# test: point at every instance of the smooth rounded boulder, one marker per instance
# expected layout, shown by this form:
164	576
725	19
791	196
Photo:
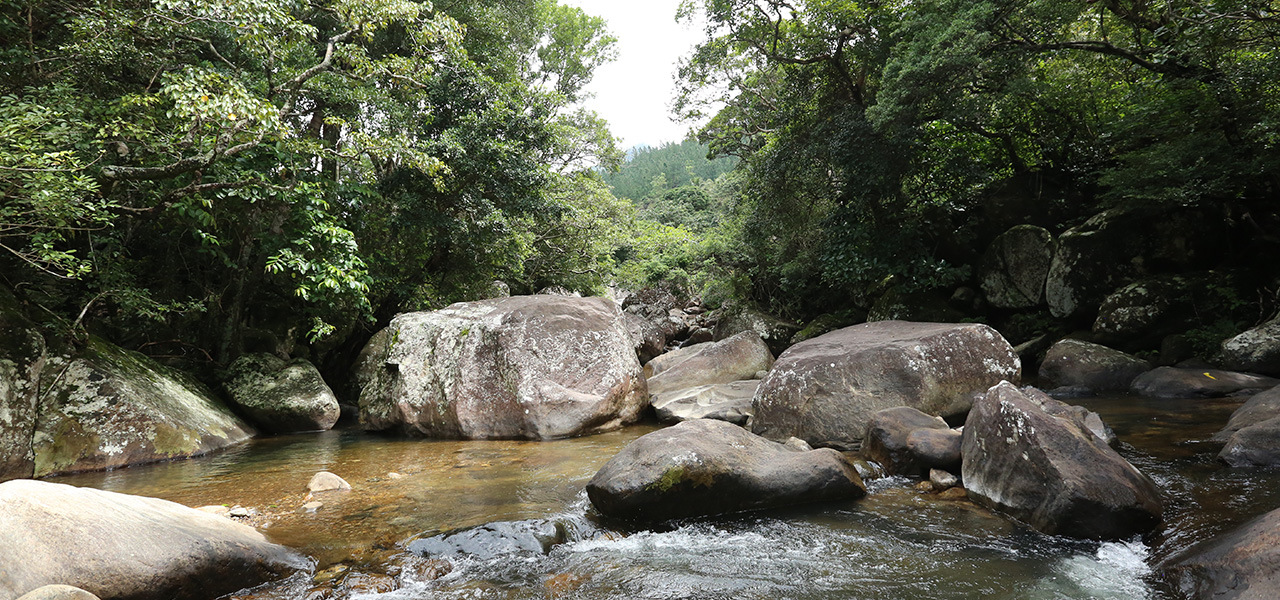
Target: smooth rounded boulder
706	467
127	547
1256	350
1174	382
1243	564
1051	471
1079	364
722	401
885	441
732	359
1261	407
524	367
281	396
107	407
824	390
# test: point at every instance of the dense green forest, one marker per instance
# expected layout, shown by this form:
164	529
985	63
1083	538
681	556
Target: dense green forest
198	179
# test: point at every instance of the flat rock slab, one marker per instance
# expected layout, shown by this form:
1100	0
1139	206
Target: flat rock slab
723	401
1241	565
1173	382
1051	471
706	467
128	547
824	390
524	367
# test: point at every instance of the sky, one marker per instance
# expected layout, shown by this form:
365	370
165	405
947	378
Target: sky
634	93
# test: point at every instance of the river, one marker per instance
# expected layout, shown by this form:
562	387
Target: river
897	543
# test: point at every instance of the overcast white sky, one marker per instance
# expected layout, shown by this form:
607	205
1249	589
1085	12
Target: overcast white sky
634	93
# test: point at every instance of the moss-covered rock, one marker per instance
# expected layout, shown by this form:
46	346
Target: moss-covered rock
22	356
106	407
281	396
1016	265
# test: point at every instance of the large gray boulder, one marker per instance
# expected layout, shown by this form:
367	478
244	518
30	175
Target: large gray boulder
1016	265
824	390
1075	363
1256	350
732	359
1257	445
281	396
721	401
22	357
125	547
1241	565
524	367
1173	382
705	467
1119	246
1051	472
106	407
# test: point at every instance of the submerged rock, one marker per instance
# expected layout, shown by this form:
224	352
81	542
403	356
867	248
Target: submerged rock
107	407
531	367
120	546
22	357
491	540
722	401
732	359
1241	565
1078	364
705	467
281	396
1052	472
824	390
1173	382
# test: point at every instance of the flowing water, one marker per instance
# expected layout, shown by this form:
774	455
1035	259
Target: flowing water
897	543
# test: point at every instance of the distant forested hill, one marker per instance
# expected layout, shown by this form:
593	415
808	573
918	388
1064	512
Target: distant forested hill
668	166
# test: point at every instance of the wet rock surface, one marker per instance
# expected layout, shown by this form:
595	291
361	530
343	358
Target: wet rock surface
706	467
824	390
130	547
1243	564
524	367
491	540
1052	472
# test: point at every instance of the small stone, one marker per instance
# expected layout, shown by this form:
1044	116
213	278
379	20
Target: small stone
240	512
394	476
955	493
419	570
924	486
942	480
325	481
797	444
312	506
215	509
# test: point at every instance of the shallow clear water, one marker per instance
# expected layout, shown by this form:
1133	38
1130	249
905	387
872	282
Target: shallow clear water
897	543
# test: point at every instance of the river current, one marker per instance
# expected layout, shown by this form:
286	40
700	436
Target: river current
896	544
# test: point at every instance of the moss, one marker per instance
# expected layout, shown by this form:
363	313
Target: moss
70	443
171	441
670	478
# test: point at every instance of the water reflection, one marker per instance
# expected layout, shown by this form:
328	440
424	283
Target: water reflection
897	543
